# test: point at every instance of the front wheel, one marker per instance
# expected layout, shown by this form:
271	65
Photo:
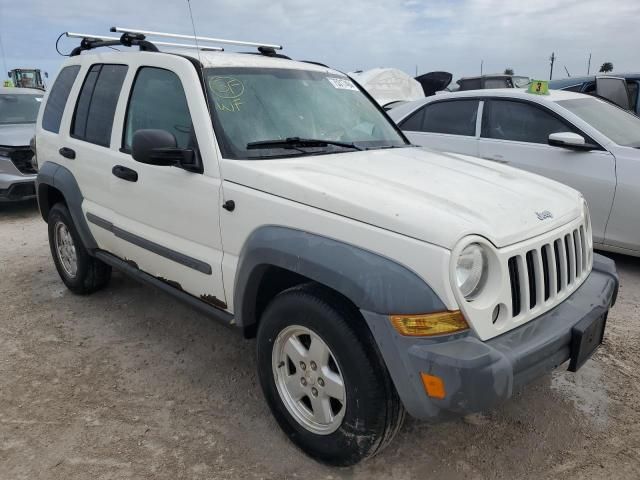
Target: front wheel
324	379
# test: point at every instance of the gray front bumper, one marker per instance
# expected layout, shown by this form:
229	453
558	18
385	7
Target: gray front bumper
15	185
478	375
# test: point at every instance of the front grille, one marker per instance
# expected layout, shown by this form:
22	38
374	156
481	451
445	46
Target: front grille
21	158
552	269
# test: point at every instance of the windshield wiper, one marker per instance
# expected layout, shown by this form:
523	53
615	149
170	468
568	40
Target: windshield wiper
297	142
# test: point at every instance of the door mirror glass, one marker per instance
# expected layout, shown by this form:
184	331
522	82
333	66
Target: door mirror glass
615	90
569	140
159	147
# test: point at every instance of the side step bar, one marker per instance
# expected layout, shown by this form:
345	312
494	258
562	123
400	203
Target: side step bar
220	315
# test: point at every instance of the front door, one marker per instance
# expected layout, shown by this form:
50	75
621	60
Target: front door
517	132
165	219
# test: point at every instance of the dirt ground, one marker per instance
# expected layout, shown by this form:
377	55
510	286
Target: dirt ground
127	383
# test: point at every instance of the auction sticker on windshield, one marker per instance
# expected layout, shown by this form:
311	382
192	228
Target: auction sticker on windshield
342	83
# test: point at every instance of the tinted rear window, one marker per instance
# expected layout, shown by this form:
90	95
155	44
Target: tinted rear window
58	98
93	119
456	117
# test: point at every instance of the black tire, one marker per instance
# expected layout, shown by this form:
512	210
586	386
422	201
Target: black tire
373	412
91	274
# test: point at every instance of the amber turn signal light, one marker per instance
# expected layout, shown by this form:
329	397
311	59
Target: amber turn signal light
439	323
434	386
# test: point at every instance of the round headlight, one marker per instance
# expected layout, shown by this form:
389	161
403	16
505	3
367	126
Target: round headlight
471	270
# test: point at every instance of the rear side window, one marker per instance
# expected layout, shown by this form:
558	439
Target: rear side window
470	84
58	98
497	83
456	117
520	122
96	106
158	101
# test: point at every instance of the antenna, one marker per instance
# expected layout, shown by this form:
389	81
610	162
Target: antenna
565	69
240	43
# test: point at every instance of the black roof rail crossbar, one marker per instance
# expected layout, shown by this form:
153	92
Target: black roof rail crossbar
156	43
127	40
264	48
267	53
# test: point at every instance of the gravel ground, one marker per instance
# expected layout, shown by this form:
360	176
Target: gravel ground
127	383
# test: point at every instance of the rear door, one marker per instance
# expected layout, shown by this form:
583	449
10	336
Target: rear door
88	144
447	125
516	132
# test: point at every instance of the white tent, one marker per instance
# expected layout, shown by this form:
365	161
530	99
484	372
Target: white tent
388	85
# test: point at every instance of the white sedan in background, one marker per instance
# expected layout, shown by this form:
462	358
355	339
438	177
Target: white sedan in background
581	141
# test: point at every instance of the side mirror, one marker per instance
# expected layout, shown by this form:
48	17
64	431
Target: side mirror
570	140
159	147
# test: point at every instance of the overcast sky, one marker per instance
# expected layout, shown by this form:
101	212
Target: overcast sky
450	35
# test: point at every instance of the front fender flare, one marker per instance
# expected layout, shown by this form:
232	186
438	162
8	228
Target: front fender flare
372	282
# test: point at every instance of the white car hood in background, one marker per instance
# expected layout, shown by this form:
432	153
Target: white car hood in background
434	197
388	85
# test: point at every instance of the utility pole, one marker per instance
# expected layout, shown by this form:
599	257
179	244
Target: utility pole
589	64
481	62
416	70
553	59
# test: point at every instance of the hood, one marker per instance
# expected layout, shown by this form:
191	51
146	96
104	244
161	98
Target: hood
433	82
17	135
433	197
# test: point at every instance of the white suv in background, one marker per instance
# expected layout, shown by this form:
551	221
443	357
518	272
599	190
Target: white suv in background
581	141
277	197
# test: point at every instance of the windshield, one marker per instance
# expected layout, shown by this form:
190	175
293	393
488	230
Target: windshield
613	122
263	105
26	79
19	108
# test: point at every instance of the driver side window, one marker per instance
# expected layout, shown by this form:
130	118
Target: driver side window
520	122
158	101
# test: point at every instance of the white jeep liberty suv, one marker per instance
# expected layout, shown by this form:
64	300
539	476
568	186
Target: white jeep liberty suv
277	197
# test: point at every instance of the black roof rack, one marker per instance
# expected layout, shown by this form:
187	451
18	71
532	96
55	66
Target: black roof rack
127	39
136	37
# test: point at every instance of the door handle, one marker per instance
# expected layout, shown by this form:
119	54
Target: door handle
125	173
67	153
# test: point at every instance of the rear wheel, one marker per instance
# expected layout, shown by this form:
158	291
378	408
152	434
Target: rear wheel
79	271
323	377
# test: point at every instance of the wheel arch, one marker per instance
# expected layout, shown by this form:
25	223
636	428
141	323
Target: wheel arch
55	183
275	258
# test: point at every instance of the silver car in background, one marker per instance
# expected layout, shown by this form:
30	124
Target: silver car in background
579	140
18	113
